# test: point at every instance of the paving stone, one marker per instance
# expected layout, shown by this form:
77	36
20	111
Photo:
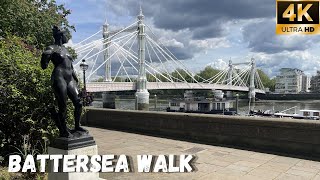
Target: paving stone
262	156
239	167
286	176
248	164
316	177
242	153
276	166
212	162
252	177
306	168
286	160
301	173
264	173
309	164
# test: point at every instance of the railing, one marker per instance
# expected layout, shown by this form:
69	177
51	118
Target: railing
128	86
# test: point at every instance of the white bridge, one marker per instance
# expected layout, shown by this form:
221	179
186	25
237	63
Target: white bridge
139	61
130	86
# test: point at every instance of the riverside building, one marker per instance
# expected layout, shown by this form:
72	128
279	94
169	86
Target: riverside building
292	81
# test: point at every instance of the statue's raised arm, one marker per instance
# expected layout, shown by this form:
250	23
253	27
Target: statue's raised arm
46	57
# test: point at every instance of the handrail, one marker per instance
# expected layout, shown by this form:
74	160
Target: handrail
294	107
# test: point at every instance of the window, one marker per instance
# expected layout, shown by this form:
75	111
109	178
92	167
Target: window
173	104
306	113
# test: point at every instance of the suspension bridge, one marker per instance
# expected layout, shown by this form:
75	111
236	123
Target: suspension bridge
136	56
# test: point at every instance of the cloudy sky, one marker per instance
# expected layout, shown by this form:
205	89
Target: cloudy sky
203	32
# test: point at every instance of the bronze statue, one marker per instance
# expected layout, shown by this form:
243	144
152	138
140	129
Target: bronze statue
64	82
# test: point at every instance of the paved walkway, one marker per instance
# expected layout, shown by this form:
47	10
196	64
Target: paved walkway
213	162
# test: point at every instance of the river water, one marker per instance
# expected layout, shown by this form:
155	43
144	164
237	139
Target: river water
162	104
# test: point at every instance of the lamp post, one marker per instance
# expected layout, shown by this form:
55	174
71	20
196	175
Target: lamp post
237	103
136	102
84	66
155	102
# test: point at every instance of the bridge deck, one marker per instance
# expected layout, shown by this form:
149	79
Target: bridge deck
213	162
129	86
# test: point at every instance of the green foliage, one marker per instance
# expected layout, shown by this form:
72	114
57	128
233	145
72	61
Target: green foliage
72	53
101	79
266	81
207	73
33	20
181	75
25	98
5	175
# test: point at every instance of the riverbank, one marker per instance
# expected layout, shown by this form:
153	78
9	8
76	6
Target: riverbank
305	96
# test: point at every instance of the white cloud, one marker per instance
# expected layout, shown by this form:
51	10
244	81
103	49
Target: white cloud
304	60
218	64
261	37
212	43
171	42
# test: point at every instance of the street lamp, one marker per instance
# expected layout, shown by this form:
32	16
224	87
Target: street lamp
237	103
84	66
155	102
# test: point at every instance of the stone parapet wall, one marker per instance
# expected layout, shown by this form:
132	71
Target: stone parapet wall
289	136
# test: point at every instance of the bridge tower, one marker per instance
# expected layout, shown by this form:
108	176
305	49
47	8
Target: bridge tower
229	81
142	94
252	93
108	98
105	34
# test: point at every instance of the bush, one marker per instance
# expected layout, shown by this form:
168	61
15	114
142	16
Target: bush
25	100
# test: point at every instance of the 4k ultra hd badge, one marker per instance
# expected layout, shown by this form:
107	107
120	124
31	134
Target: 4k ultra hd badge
297	17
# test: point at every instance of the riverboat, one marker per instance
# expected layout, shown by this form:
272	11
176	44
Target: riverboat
191	104
303	114
308	114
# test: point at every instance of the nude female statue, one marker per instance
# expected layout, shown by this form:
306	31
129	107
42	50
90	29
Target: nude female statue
64	82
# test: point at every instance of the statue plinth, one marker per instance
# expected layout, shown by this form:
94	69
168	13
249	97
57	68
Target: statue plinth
83	140
83	144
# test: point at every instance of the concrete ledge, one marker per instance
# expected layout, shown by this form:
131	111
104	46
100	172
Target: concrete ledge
288	136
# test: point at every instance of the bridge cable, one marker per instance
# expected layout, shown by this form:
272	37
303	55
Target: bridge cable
111	56
159	50
160	60
123	62
95	61
136	59
184	67
109	46
88	37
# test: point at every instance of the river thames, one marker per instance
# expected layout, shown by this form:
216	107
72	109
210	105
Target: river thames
162	104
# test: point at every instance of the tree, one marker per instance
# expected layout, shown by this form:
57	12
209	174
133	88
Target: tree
181	75
266	81
25	89
32	20
207	73
26	98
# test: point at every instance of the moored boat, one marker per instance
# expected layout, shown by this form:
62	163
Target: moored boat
191	104
308	114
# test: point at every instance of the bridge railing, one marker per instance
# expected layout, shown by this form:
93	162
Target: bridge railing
128	86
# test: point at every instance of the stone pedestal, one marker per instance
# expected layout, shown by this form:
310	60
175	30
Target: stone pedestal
229	94
83	145
142	100
108	100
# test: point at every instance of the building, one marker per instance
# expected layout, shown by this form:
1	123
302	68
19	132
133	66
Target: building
306	83
315	83
292	81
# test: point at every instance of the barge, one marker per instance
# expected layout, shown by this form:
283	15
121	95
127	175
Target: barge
191	104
